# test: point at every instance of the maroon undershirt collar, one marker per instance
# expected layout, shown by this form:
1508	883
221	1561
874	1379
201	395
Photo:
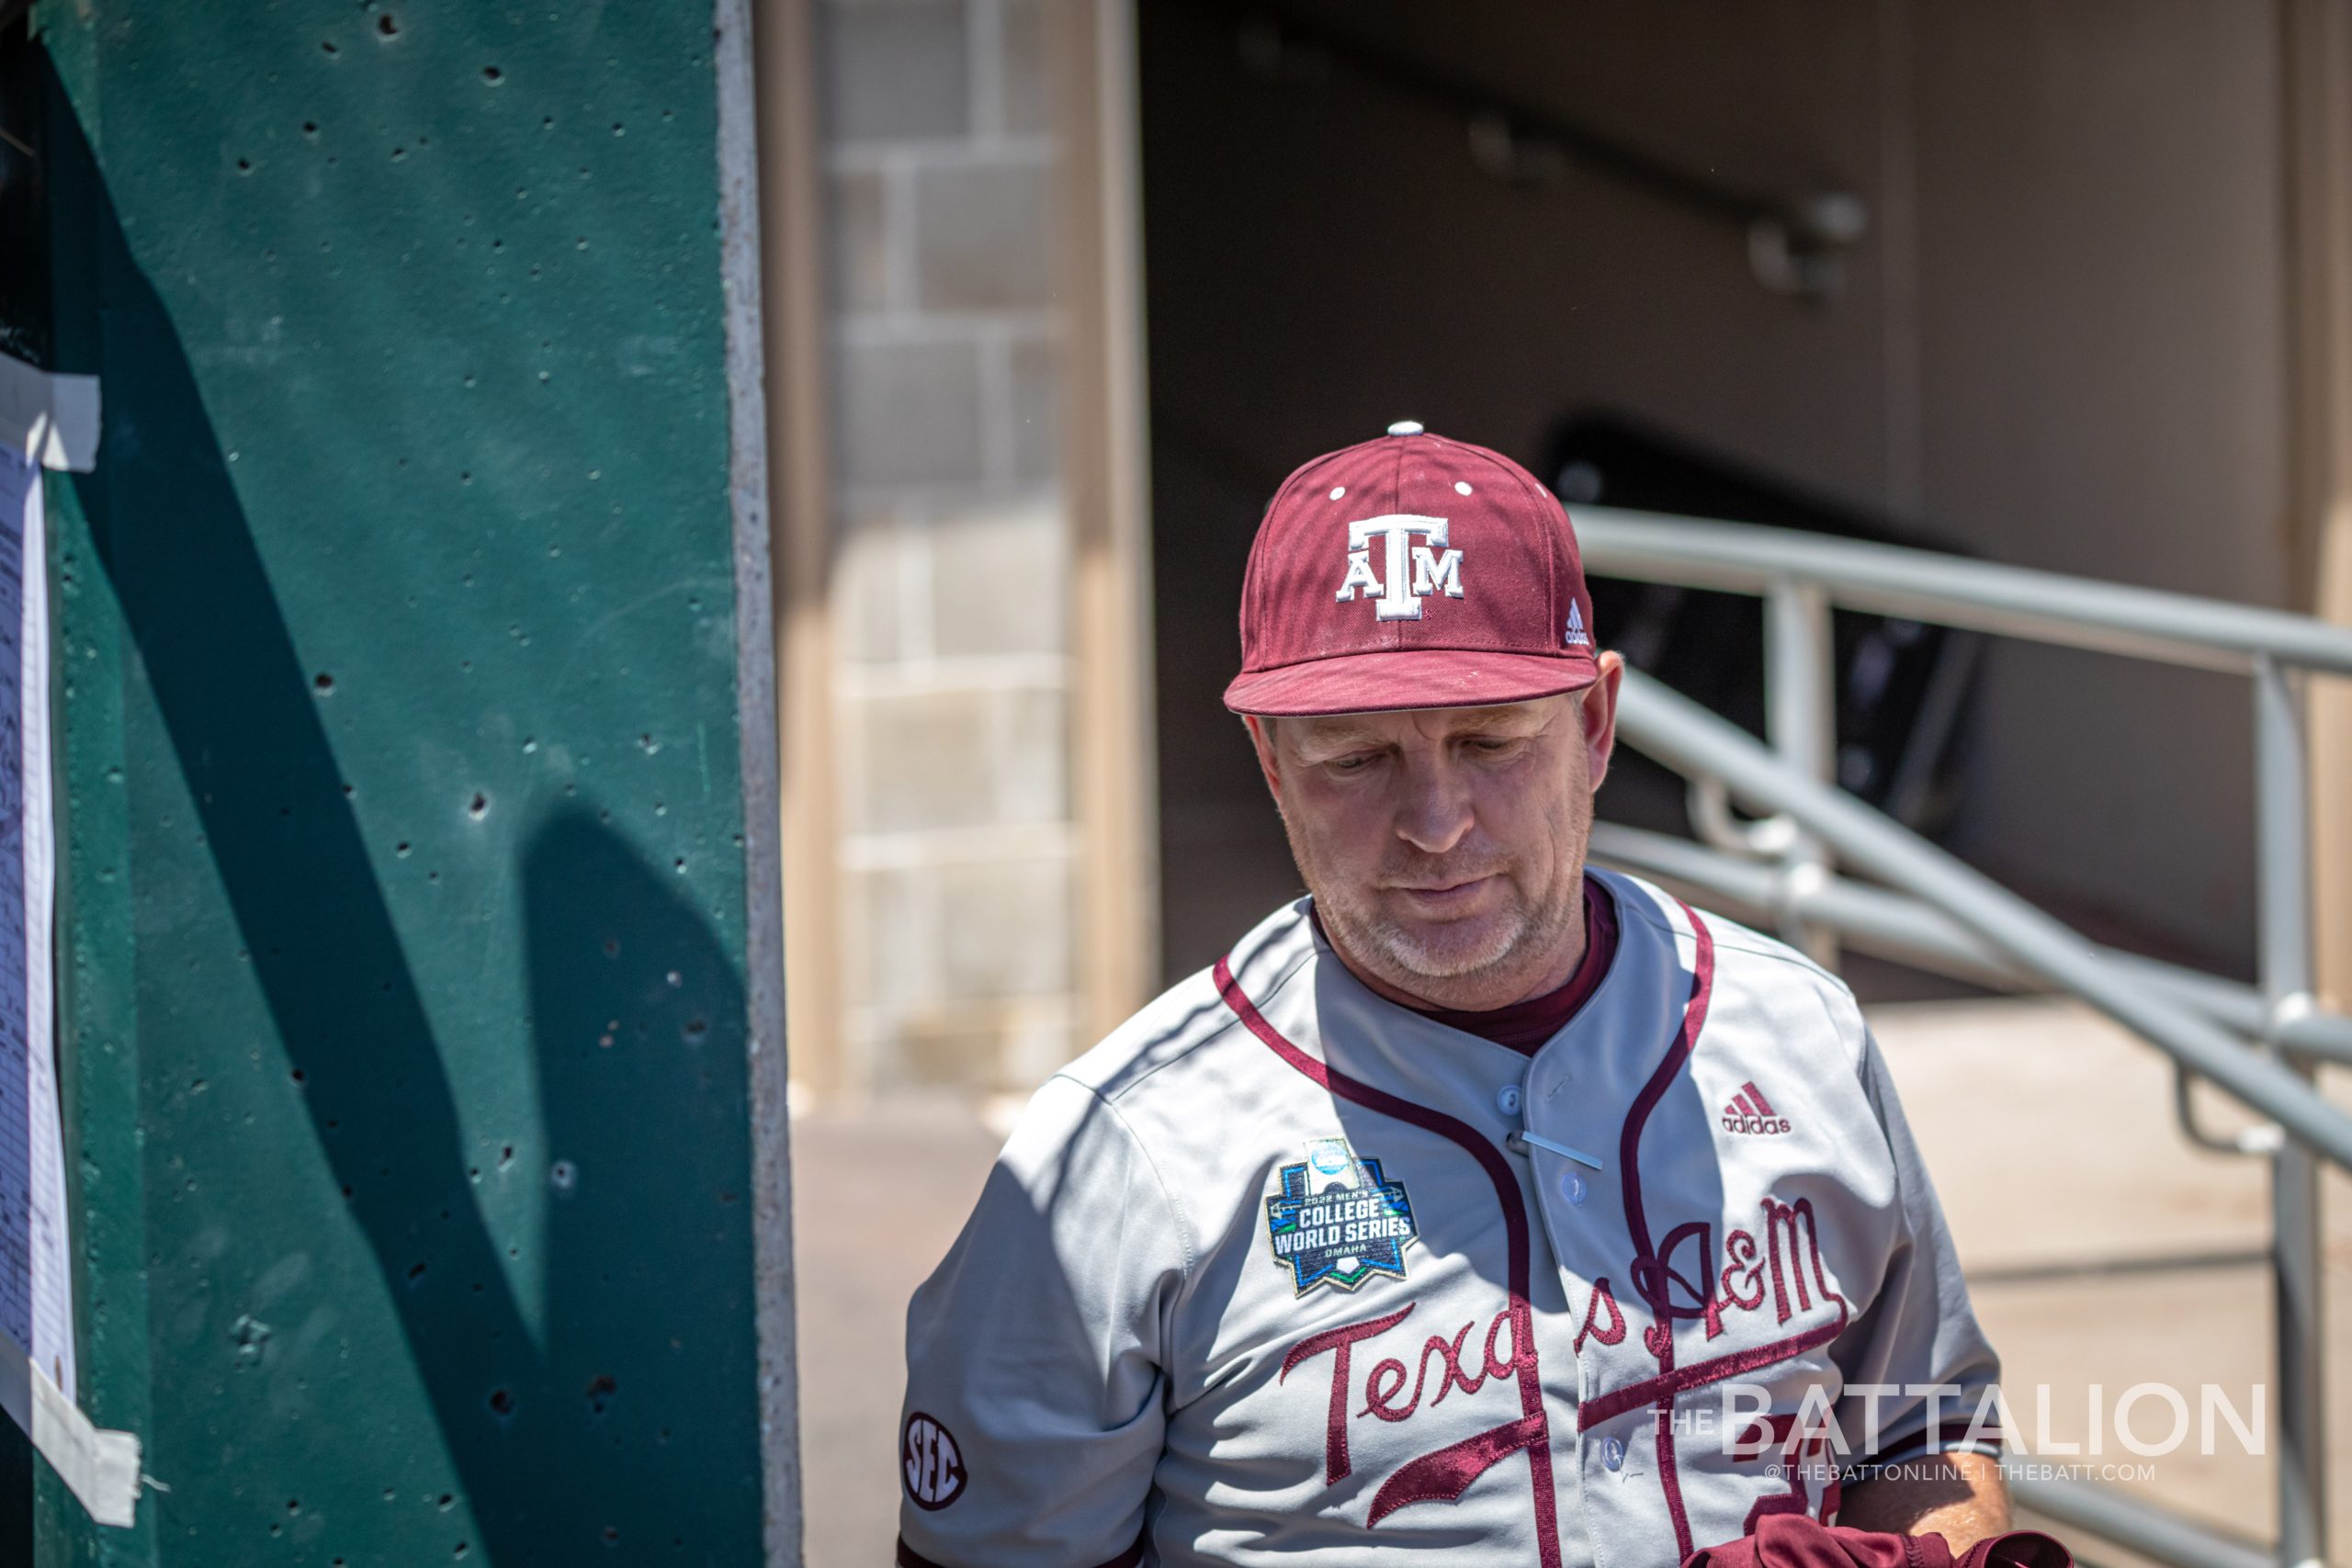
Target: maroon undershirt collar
1525	1026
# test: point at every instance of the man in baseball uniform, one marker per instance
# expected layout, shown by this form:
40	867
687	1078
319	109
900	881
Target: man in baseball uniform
1478	1202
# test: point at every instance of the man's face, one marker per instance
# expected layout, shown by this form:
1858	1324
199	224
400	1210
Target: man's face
1446	846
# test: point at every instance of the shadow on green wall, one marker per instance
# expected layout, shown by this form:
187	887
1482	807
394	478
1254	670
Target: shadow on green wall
626	1418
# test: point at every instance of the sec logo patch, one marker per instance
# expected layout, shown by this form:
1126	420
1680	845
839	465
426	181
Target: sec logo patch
930	1464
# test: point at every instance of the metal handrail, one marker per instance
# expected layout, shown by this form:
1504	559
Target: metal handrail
1910	932
1902	929
1660	721
1953	590
1960	921
2152	1532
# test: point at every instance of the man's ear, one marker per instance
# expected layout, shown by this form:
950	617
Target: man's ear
1261	736
1597	712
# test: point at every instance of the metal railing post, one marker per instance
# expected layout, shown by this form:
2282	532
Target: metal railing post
1800	718
2282	829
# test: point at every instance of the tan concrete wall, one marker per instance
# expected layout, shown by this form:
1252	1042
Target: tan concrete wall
950	569
2101	286
2061	346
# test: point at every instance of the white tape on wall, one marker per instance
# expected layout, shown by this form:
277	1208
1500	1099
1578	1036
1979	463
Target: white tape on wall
51	418
100	1468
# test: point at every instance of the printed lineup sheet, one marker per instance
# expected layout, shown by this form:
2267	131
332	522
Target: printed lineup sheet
46	421
36	1285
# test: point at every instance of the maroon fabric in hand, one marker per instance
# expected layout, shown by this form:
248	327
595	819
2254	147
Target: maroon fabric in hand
1796	1540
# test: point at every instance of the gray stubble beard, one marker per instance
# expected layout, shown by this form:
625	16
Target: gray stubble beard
1397	959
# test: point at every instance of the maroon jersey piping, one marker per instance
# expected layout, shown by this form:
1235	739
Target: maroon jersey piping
1533	1431
1649	1275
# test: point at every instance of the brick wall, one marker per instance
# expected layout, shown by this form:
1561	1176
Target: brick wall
950	589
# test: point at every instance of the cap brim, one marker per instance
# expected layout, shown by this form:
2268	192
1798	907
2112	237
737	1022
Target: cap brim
1396	680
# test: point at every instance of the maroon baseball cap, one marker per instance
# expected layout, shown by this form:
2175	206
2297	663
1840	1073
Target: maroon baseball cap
1411	572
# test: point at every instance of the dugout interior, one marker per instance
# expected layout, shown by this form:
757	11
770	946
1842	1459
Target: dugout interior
2061	339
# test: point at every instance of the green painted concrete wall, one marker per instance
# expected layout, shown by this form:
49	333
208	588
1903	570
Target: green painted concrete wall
403	916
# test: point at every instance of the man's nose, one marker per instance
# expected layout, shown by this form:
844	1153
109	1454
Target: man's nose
1434	811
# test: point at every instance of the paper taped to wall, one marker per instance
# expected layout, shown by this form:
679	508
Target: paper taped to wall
35	1261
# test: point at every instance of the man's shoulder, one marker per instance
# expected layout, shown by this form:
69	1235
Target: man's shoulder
1751	969
1167	1040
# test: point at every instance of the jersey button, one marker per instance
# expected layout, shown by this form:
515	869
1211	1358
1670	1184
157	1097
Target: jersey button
1613	1452
1507	1099
1573	1187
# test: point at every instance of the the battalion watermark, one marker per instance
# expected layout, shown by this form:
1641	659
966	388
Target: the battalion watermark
1870	1431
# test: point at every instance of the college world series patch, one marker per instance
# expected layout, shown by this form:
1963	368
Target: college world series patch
1339	1220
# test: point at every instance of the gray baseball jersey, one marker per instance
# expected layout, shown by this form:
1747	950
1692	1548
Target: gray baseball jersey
1283	1267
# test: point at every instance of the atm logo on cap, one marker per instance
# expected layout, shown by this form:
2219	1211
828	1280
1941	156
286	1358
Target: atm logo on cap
1408	571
